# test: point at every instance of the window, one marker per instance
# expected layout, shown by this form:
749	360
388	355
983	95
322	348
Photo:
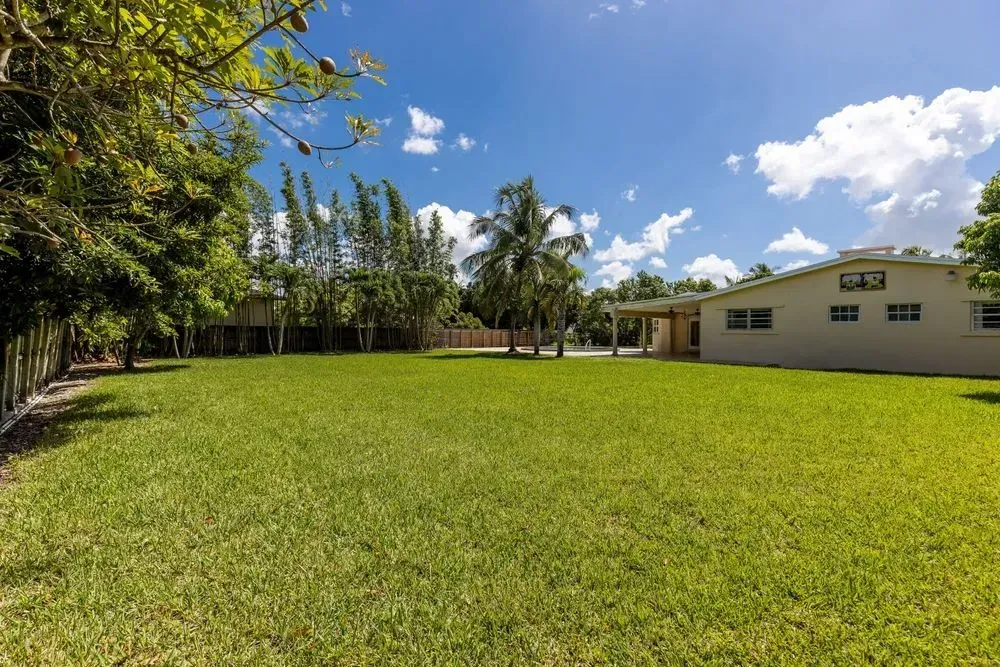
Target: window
855	282
986	316
656	325
845	313
748	318
903	312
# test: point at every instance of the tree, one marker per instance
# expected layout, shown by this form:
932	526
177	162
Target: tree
182	70
560	291
685	285
756	272
916	251
980	242
521	249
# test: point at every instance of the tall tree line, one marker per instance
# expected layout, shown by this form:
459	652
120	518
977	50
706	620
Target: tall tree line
368	265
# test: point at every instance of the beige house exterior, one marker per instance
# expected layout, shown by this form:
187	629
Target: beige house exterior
862	310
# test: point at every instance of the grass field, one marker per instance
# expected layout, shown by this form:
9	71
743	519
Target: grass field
459	508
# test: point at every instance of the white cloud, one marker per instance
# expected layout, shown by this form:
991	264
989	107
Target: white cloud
486	147
421	145
423	128
925	201
638	4
733	162
464	142
456	224
615	272
345	9
695	228
796	241
658	262
590	221
883	207
712	267
564	226
384	122
630	193
423	123
561	226
655	239
435	170
611	7
897	152
792	265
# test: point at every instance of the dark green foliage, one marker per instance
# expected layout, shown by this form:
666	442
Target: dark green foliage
595	325
980	243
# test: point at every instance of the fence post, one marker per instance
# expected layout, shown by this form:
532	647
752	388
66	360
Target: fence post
13	373
24	386
66	351
4	382
43	372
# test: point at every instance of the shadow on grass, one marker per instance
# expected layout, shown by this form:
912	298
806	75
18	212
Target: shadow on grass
872	371
55	419
91	371
988	397
520	356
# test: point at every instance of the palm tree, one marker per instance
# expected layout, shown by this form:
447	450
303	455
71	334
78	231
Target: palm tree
916	251
756	272
522	250
559	293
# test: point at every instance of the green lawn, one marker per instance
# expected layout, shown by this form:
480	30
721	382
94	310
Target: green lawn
474	509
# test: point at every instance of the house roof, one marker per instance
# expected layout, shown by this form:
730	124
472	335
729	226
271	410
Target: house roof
687	297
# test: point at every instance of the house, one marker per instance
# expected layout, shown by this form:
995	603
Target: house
866	309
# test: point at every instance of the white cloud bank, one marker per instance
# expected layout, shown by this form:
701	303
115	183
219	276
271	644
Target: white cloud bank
792	265
590	221
904	159
657	262
456	224
796	241
655	239
712	267
464	142
615	272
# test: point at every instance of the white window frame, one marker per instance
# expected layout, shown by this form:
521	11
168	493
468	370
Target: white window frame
909	313
748	314
841	313
656	325
980	305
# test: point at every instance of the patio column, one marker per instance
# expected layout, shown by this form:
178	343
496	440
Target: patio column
643	335
614	332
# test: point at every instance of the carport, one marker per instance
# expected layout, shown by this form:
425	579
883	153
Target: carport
677	314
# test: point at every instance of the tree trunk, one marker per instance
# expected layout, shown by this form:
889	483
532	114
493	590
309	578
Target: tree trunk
131	351
177	352
538	329
513	331
561	331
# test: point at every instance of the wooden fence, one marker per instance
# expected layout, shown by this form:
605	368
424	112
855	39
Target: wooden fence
30	362
484	338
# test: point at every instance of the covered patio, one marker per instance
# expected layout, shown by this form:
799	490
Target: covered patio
676	330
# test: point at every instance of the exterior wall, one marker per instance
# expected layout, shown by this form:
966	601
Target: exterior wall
660	342
802	335
676	330
254	312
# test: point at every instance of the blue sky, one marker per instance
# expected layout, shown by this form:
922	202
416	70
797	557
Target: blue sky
655	96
